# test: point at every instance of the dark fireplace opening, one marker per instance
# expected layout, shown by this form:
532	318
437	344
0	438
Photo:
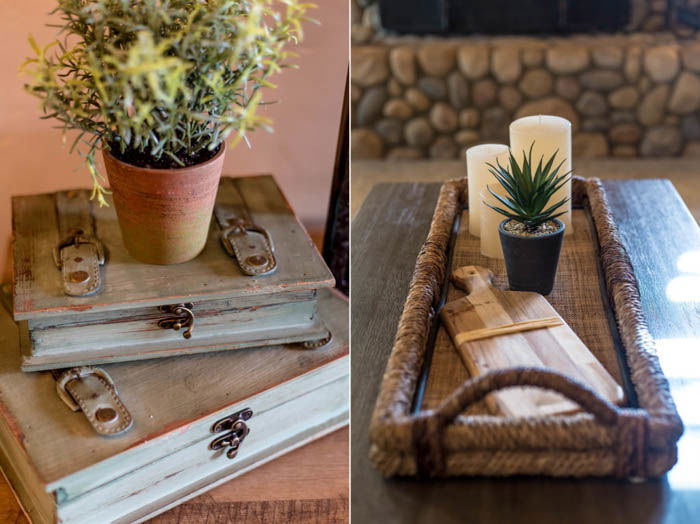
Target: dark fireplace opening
504	17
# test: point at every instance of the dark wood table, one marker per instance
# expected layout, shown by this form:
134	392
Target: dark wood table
663	241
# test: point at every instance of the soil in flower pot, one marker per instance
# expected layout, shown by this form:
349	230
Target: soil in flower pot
164	213
531	257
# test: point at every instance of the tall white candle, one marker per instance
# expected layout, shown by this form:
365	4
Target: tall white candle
549	134
478	176
490	220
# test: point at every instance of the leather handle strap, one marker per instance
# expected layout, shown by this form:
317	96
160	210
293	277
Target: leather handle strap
429	426
92	391
79	255
87	389
249	243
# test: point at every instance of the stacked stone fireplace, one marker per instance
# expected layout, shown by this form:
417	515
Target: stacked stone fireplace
635	93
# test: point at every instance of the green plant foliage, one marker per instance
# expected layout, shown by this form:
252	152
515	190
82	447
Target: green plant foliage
528	191
165	78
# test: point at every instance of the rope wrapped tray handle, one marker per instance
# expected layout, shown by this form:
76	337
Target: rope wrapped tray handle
429	426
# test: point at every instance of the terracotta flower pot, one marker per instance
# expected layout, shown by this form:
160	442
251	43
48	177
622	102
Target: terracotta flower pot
164	214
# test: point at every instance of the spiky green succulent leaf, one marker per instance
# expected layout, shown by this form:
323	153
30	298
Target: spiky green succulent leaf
529	188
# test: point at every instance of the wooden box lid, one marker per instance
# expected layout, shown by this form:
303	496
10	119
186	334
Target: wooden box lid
38	290
174	403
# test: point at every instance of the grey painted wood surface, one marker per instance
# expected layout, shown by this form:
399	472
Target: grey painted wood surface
121	322
219	325
387	234
128	284
174	402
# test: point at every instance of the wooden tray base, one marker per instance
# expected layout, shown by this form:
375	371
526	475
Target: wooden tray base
576	296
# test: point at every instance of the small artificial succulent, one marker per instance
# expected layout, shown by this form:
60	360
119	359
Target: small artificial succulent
529	189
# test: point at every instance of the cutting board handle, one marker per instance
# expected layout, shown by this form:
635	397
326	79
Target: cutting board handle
472	279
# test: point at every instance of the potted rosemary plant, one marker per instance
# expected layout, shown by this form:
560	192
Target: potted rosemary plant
158	86
531	235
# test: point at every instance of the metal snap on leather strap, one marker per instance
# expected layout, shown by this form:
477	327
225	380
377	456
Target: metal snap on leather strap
251	245
242	238
79	254
92	391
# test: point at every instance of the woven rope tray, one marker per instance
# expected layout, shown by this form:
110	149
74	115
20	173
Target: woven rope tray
430	419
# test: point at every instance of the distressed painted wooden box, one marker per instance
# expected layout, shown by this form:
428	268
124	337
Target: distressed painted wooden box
62	471
66	245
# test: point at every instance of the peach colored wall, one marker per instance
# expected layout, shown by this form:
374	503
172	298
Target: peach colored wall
300	152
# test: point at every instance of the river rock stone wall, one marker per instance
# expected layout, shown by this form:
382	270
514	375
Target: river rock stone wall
627	95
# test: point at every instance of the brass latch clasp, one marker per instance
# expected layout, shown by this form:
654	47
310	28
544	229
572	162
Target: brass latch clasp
236	430
184	318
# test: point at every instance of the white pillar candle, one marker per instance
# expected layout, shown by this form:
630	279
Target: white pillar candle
490	220
478	176
549	134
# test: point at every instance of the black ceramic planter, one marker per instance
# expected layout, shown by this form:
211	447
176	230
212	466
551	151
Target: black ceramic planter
531	262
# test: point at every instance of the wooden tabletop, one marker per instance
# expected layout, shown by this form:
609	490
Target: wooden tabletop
664	244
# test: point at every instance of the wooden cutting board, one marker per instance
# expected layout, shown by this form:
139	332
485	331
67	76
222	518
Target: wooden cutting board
495	329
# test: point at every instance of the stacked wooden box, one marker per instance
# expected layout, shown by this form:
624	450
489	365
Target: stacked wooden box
187	422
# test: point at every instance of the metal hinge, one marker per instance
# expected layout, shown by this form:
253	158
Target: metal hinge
236	431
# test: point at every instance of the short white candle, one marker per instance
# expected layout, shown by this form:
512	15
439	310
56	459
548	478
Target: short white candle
478	176
549	134
490	220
